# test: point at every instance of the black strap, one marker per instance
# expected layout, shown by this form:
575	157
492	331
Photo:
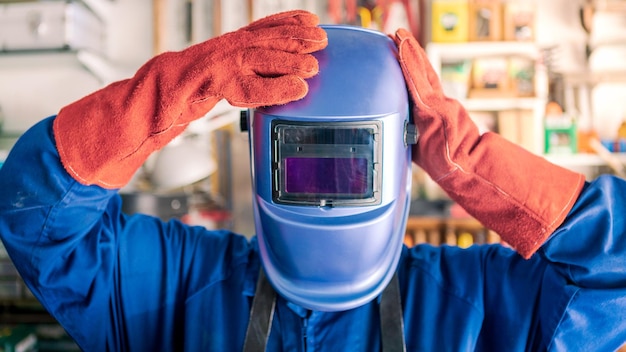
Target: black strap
391	323
261	316
264	304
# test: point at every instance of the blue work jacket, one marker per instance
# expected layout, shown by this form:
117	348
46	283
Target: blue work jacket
117	282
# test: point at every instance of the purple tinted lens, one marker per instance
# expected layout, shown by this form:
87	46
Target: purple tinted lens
326	175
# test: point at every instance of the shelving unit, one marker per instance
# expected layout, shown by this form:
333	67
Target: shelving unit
442	53
602	20
424	229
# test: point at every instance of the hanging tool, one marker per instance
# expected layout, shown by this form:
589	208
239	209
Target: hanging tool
370	14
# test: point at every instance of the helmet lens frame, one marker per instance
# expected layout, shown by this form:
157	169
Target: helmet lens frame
326	164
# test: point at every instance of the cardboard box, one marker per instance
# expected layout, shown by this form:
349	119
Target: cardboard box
450	21
485	20
490	78
519	20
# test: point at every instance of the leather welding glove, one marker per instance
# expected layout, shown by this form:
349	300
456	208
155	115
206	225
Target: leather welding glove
105	137
510	190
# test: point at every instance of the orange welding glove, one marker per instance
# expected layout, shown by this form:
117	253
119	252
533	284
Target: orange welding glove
510	190
105	137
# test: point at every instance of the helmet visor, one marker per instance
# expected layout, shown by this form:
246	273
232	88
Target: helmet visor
326	164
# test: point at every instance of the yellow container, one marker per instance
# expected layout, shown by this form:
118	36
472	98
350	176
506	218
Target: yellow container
450	21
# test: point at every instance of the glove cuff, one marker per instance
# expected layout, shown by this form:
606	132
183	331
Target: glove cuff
520	195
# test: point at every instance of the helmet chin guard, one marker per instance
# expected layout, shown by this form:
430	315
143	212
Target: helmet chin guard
331	176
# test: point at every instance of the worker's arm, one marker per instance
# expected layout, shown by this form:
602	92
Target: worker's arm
532	203
520	195
578	229
60	236
99	272
113	281
105	137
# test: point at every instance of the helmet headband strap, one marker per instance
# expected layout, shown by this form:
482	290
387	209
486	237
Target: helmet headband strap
264	305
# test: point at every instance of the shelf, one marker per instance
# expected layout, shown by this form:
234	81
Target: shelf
582	159
94	63
437	230
498	104
595	78
449	52
441	53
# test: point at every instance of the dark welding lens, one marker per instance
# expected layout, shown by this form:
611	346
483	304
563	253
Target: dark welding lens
329	164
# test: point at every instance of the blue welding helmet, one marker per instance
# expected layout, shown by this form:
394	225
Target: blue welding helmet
331	176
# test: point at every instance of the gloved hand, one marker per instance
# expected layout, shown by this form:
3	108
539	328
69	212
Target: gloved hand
105	137
510	190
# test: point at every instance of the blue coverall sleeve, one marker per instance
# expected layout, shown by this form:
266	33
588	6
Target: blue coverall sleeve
570	296
589	248
572	293
102	274
589	252
47	222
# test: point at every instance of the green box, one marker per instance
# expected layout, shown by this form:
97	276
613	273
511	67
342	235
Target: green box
21	338
560	136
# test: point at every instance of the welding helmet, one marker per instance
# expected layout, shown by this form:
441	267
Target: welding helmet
331	176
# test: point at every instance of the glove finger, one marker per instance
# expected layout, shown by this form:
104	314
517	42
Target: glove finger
295	39
255	91
415	62
295	17
273	63
410	60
